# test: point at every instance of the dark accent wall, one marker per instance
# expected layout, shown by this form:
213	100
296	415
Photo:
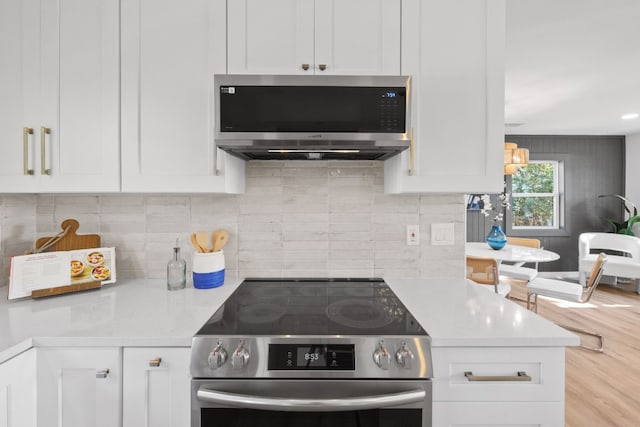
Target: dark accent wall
593	165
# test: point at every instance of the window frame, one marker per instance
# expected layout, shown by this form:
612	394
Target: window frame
554	195
560	229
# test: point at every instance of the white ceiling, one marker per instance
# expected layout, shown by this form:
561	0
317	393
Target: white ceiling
572	67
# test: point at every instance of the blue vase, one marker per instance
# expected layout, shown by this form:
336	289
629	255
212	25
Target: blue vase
496	238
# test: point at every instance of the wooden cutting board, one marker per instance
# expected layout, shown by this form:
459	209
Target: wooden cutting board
71	240
68	242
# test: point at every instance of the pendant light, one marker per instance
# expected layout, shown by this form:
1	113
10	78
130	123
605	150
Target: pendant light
514	157
510	169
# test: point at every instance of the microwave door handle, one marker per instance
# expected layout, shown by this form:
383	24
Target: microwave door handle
306	405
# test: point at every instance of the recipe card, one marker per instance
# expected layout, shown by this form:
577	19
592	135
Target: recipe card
61	268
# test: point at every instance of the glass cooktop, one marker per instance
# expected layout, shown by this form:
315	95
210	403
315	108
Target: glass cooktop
312	307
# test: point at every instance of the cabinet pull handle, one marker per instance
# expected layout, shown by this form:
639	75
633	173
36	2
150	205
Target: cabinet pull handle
154	363
216	156
305	67
102	373
521	376
322	67
43	150
25	150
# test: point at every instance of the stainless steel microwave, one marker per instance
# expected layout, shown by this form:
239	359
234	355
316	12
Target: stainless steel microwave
259	117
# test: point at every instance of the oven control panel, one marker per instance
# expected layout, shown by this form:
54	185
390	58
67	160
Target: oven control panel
311	357
318	357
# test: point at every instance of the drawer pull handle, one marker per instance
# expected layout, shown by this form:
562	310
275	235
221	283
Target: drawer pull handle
103	373
521	376
154	363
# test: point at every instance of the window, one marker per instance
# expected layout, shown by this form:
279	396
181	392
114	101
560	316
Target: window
536	191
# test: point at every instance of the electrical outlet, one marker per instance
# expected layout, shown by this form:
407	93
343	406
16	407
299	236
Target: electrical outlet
413	235
442	233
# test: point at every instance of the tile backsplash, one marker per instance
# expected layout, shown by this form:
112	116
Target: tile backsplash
306	219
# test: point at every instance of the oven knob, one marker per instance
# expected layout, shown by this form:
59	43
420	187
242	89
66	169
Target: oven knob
381	356
404	357
218	356
240	356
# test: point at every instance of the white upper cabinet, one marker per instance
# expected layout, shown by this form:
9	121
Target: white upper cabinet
454	51
59	80
270	36
19	82
341	37
357	37
170	51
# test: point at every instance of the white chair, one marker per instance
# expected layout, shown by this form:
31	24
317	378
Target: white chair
517	271
484	271
625	265
568	291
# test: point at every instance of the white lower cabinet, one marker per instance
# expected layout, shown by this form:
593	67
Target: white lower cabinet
101	387
450	414
79	387
482	386
18	391
156	387
150	387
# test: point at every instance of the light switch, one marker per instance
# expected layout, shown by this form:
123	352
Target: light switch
442	233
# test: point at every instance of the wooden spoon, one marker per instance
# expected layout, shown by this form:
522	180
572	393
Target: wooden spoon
194	242
214	237
219	238
202	237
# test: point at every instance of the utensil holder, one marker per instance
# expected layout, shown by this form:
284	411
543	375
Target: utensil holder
208	269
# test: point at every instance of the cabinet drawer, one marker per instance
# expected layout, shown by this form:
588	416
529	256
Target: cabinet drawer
447	414
544	366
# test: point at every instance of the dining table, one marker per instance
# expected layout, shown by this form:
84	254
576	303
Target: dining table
510	253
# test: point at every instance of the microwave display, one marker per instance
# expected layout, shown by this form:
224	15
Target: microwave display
322	109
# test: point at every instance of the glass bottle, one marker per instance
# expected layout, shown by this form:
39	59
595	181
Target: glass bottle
176	270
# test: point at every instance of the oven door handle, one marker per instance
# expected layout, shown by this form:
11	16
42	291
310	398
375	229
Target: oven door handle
306	405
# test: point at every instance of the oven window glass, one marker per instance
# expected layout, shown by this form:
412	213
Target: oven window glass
211	417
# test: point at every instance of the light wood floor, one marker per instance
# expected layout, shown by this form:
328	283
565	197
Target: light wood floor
602	389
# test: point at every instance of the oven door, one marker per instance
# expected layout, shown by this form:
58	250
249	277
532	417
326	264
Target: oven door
310	403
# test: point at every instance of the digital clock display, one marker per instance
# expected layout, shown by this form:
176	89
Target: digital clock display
330	357
312	356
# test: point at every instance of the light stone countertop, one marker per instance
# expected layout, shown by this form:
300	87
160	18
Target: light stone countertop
139	313
459	314
142	313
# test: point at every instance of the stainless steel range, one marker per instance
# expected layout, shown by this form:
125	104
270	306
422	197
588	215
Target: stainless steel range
311	352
